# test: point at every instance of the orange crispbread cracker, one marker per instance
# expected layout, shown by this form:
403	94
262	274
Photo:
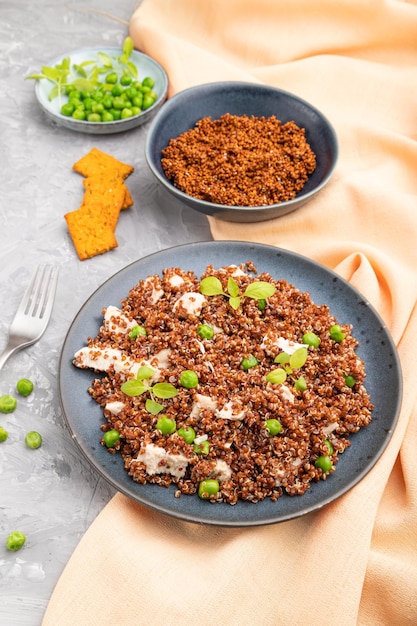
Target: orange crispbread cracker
101	183
96	162
104	200
92	225
89	234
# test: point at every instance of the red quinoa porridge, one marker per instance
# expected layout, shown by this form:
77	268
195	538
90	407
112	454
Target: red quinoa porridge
267	407
240	160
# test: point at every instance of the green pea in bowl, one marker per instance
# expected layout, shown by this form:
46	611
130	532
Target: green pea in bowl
147	76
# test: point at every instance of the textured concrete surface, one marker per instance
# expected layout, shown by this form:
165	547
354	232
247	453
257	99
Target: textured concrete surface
52	494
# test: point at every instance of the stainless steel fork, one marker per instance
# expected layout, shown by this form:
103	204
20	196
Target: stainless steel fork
34	311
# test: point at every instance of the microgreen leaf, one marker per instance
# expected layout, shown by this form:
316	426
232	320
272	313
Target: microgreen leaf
134	387
132	69
234	302
164	390
211	286
105	59
232	287
83	84
282	358
153	407
52	73
36	76
53	93
298	358
259	289
128	46
145	372
277	376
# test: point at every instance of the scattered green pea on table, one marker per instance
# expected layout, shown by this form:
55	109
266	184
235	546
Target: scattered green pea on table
33	440
15	540
7	403
24	386
3	434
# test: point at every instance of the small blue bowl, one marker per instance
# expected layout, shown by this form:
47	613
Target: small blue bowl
181	112
145	65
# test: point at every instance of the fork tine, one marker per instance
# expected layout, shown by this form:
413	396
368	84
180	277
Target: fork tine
38	298
49	294
27	299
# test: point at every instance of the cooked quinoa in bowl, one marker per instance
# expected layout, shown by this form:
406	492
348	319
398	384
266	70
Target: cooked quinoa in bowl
241	152
231	385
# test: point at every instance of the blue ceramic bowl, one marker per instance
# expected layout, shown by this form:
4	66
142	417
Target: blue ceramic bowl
182	111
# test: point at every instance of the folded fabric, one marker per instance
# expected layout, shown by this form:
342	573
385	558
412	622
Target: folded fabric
354	561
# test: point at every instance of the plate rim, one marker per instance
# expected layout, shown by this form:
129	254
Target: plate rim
304	510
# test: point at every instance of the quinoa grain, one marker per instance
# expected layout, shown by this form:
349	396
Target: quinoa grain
240	160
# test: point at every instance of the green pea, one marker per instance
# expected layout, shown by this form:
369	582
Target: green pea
311	339
273	426
261	304
187	433
208	488
107	102
137	101
112	78
202	448
350	381
88	104
78	114
166	425
137	331
69	88
24	386
131	92
116	114
119	103
106	116
94	117
125	79
97	107
110	437
3	434
126	113
205	331
15	540
148	81
97	95
336	333
188	379
324	462
136	110
248	362
148	100
33	440
117	90
7	403
67	109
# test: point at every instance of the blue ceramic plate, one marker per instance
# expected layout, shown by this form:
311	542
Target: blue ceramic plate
182	111
376	348
146	66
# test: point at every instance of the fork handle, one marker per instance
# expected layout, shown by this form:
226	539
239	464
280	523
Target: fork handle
7	352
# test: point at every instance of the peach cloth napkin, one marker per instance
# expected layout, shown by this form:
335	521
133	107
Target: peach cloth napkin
355	561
